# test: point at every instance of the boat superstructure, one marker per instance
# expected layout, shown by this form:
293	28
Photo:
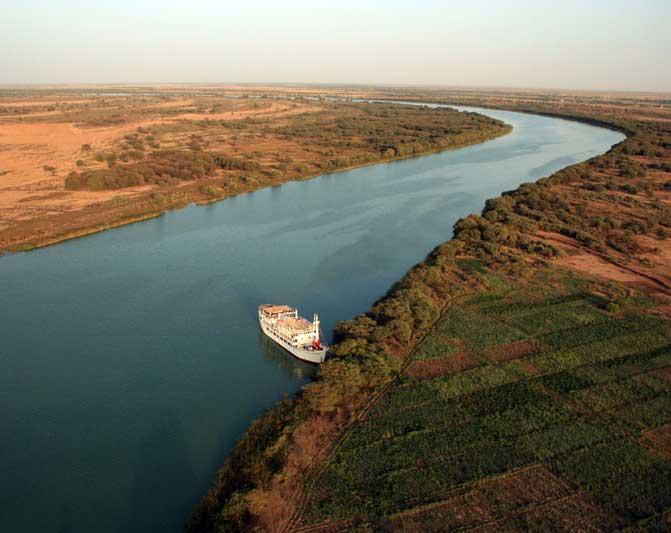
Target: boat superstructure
300	337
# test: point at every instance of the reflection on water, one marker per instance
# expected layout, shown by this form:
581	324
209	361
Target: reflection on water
284	360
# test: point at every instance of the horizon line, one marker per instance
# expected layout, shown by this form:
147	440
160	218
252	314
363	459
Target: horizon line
434	86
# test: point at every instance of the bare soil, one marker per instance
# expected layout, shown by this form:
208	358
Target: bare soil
441	366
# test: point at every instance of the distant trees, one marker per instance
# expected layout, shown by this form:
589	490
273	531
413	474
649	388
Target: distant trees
392	131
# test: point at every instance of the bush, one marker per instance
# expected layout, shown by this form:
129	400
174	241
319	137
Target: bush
159	168
613	307
212	191
629	188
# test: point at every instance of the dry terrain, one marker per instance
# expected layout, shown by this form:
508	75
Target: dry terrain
39	148
81	159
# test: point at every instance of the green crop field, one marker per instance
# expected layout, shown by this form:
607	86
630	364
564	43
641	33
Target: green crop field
545	426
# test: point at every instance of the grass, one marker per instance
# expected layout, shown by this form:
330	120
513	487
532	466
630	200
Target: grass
434	347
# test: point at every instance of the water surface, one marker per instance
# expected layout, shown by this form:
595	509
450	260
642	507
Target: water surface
131	360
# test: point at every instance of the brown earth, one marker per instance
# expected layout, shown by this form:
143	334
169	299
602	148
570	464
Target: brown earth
655	279
441	366
533	491
659	440
27	189
513	350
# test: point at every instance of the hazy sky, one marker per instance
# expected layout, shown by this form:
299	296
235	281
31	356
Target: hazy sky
598	44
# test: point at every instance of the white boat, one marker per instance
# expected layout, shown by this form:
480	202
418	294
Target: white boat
298	336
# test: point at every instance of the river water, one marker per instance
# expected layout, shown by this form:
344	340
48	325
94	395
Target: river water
131	360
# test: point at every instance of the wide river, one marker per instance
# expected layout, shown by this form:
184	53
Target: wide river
131	360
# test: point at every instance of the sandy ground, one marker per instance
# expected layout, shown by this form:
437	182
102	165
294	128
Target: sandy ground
275	110
38	102
27	190
659	254
594	265
580	259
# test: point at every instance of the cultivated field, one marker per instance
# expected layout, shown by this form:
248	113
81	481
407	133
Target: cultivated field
570	425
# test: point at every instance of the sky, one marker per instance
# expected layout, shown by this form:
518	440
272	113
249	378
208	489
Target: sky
597	44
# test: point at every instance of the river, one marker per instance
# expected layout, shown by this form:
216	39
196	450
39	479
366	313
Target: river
131	360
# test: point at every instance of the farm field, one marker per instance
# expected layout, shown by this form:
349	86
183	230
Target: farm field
561	416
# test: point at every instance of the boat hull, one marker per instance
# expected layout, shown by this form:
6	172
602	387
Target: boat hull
309	356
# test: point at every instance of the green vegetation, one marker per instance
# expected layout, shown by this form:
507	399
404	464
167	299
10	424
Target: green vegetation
390	131
256	458
212	191
560	407
567	205
577	405
160	168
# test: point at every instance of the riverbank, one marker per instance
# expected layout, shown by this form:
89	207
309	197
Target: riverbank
612	210
165	156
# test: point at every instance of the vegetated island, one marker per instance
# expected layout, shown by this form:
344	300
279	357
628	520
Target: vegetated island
73	163
519	377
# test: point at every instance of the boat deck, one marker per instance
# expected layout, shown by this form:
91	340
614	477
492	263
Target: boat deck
296	325
272	310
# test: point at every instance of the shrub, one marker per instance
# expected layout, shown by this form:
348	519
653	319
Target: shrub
212	191
629	188
159	168
613	307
